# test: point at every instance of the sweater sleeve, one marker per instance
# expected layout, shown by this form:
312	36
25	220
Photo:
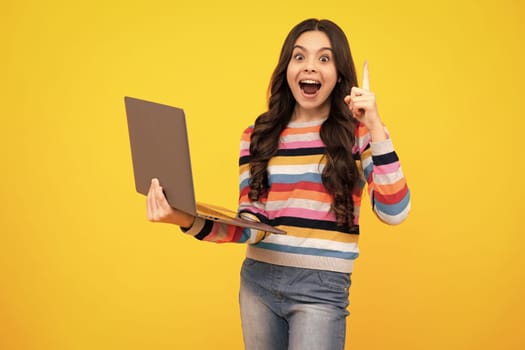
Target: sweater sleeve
212	231
387	186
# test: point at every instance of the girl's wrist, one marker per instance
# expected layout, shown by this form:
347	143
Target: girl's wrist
377	131
188	220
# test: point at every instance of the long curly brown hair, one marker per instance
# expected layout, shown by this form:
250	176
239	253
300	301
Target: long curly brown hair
340	173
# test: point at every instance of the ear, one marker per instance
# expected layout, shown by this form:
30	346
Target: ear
339	79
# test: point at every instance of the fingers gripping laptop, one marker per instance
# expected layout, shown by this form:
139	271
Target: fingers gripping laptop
160	149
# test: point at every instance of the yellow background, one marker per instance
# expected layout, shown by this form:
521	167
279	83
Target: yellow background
82	268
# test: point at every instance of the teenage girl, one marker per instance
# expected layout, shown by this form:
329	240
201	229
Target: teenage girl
304	165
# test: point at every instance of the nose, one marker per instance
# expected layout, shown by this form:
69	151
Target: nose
310	66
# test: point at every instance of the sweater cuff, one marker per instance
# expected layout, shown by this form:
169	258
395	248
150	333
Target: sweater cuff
198	225
382	147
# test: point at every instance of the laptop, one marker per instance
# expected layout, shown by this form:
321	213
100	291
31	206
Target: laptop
160	149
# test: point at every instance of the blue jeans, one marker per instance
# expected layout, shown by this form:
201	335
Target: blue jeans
292	308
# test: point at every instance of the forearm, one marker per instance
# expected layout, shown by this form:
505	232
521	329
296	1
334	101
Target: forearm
212	231
386	183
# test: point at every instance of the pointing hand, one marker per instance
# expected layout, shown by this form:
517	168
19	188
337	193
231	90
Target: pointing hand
362	103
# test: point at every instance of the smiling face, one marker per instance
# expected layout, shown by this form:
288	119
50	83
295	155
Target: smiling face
312	75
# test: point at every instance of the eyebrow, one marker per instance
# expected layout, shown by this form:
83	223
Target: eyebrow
304	48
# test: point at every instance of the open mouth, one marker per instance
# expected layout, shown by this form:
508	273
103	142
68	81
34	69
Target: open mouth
310	87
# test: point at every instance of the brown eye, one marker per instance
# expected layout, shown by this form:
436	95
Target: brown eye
324	59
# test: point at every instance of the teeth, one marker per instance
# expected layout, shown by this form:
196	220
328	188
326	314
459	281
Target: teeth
309	82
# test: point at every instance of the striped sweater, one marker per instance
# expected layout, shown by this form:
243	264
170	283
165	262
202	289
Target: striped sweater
298	203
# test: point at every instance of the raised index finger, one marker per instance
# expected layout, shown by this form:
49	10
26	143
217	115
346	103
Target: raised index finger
366	82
